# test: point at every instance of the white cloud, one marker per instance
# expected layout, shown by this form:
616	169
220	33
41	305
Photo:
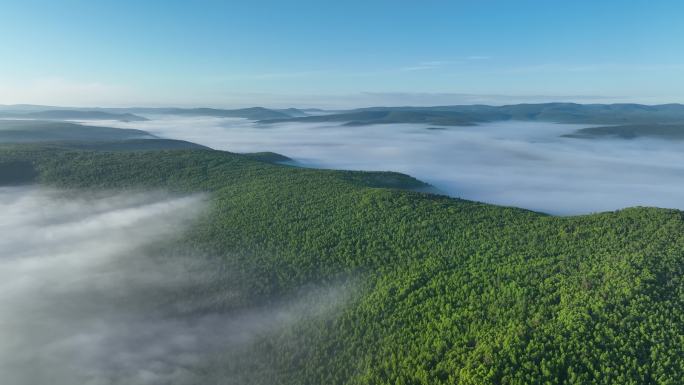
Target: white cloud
425	65
267	76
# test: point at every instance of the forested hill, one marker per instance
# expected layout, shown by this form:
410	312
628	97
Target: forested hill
70	115
449	291
473	114
22	131
632	131
67	135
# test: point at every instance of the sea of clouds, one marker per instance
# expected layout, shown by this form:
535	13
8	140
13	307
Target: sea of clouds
87	298
523	164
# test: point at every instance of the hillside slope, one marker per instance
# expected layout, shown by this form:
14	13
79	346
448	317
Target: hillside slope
472	114
22	131
632	131
71	115
448	291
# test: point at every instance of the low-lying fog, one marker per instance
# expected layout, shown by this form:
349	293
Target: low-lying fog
521	164
86	300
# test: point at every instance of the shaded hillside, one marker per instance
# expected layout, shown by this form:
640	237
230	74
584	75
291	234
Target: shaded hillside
357	118
18	131
73	136
294	112
253	113
133	145
72	115
129	114
269	157
660	131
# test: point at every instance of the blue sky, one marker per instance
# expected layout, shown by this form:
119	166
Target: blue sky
328	54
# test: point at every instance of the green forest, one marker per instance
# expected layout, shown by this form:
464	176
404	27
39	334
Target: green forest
445	291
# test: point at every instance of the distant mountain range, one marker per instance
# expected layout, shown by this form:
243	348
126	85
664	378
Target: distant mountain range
27	111
70	115
437	115
473	114
253	113
635	120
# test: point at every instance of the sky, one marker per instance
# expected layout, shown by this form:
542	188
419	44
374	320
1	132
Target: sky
339	54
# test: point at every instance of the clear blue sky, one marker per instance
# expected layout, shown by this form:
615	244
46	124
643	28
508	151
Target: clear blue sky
328	53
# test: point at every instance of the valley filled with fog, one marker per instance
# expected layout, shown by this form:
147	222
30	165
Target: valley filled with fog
515	163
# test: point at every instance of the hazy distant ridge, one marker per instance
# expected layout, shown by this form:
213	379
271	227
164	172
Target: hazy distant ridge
70	115
473	114
457	115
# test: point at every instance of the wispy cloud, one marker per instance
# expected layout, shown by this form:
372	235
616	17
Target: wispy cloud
425	65
435	64
269	75
593	67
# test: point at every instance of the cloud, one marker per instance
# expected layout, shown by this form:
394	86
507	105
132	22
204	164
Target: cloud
523	164
269	75
434	64
426	65
86	299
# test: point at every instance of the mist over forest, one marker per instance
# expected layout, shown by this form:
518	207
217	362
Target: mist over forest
91	294
534	165
358	192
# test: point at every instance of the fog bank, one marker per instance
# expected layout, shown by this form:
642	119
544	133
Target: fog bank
523	164
87	298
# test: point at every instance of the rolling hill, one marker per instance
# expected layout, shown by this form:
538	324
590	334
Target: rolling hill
95	138
357	118
253	113
473	114
604	114
130	114
446	291
71	115
18	131
632	131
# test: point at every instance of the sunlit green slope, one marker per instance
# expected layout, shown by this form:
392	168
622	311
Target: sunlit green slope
447	291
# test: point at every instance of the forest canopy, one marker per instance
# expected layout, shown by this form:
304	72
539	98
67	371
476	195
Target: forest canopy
449	291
